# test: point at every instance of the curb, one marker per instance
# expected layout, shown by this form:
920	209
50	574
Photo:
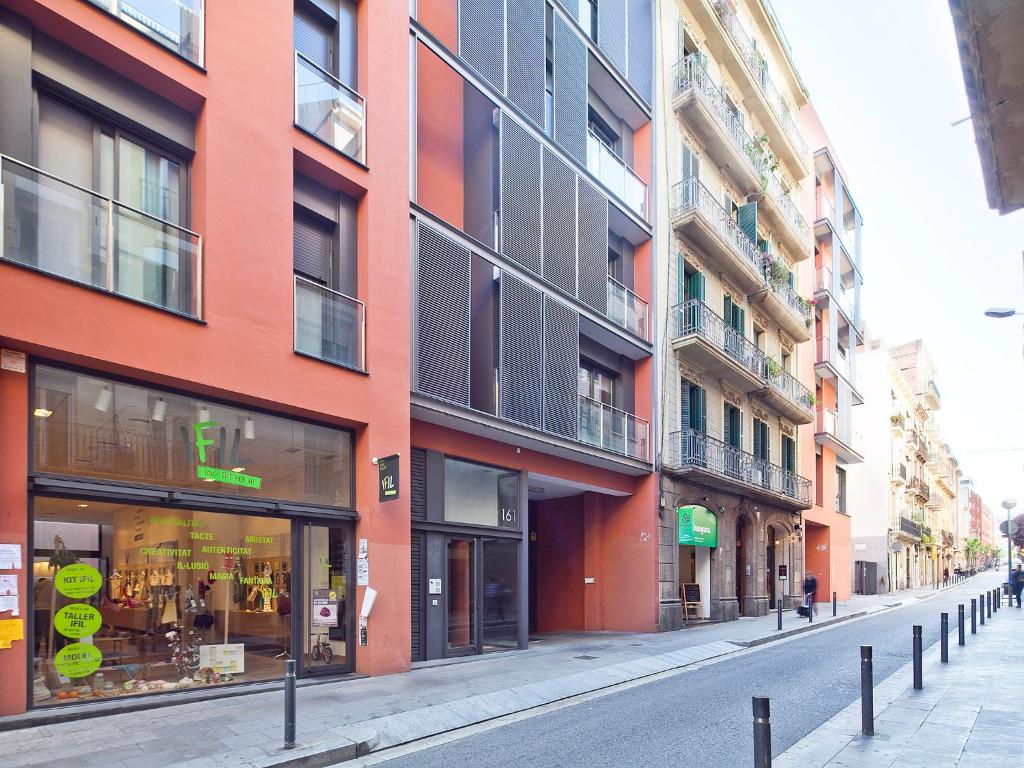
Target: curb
810	627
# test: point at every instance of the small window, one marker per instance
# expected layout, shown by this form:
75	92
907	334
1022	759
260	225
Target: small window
598	383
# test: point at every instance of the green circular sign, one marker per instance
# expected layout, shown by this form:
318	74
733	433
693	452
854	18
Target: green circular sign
77	660
78	580
77	620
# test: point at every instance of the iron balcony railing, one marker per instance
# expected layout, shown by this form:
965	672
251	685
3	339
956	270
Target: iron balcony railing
759	69
175	24
627	309
612	171
787	295
909	527
690	73
66	230
920	487
692	195
329	325
784	382
329	109
613	429
692	449
901	472
695	318
790	212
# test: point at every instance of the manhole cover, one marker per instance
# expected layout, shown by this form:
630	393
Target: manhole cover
584	657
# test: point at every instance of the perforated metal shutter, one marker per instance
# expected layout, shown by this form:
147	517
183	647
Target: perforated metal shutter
442	316
520	196
522	364
526	57
418	473
641	43
481	42
559	223
611	31
313	39
561	368
312	240
416	573
570	70
593	247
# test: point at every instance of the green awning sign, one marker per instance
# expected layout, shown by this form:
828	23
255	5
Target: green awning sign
698	526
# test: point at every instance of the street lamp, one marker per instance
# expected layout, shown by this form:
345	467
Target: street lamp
1009	504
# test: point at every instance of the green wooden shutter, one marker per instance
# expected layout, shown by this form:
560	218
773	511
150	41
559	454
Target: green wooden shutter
702	414
746	218
727	310
726	424
757	438
699	286
741	319
684	406
739	429
767	443
681	279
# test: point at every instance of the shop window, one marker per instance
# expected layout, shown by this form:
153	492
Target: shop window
87	426
131	600
480	495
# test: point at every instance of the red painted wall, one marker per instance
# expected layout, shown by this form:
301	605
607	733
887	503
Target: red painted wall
559	525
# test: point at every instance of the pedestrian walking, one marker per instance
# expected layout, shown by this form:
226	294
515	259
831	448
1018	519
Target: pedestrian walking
945	577
1017	585
810	588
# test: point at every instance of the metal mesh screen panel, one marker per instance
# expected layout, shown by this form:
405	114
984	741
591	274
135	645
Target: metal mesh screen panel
593	246
481	43
641	44
520	196
561	367
559	223
570	70
522	367
526	57
611	31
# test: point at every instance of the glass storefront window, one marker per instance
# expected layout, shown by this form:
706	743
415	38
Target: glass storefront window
480	495
92	427
129	600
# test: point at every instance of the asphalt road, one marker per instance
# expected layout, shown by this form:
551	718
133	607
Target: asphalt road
703	718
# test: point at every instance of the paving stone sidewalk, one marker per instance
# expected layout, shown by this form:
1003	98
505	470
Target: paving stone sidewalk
970	713
338	720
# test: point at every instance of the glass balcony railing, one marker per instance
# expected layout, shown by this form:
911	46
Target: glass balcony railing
844	297
614	174
612	429
828	423
822	278
759	69
71	232
329	325
627	309
822	349
691	195
696	318
329	109
824	208
175	24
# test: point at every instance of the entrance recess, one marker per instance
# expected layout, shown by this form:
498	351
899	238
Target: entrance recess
770	551
741	565
328	593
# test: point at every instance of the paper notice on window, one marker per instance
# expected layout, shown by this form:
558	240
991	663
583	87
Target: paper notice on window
11	630
10	557
362	572
9	603
8	584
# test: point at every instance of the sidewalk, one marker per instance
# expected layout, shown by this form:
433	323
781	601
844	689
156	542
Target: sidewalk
337	720
968	715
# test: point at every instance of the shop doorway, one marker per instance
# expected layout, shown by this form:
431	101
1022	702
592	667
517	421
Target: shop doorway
327	634
482	606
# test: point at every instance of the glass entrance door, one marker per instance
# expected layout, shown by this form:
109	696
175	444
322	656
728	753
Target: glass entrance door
328	591
462	596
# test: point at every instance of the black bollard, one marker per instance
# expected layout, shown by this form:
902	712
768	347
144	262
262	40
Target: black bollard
944	637
974	615
289	704
778	610
762	733
834	603
867	693
988	604
960	624
981	609
918	683
995	601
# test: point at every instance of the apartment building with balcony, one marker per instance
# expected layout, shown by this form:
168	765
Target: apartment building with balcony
534	506
905	491
735	319
203	265
835	276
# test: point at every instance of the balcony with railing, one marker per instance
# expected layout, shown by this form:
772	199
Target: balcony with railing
779	112
788	222
329	325
899	474
780	300
613	429
701	219
824	208
703	104
932	397
175	24
787	395
73	233
627	309
722	465
615	175
830	431
705	339
919	487
909	527
329	109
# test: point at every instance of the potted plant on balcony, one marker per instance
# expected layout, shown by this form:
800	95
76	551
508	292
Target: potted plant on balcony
763	160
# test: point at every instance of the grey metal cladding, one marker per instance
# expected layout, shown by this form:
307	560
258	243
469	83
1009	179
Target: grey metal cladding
481	39
561	367
521	238
559	223
593	247
570	71
525	20
611	32
442	317
522	363
641	44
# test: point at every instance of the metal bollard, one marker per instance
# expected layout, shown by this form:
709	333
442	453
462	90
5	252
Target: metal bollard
944	638
762	733
974	615
289	704
834	603
995	601
778	611
981	608
988	604
867	693
918	683
960	624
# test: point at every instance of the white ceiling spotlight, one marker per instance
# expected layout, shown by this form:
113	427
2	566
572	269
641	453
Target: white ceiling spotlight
249	429
103	399
159	409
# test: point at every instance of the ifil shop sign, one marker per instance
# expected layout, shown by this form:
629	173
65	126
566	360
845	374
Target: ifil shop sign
229	476
698	526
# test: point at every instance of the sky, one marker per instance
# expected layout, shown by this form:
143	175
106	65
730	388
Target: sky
885	79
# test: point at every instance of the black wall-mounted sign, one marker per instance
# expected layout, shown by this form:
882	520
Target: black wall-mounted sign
387	469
